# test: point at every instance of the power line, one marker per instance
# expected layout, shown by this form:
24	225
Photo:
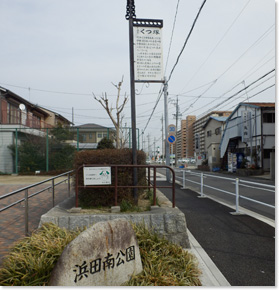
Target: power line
184	45
222	38
187	38
173	26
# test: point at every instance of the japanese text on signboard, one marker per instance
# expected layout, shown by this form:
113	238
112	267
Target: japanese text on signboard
148	54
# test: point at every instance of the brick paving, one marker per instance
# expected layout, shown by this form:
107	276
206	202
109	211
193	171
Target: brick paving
12	222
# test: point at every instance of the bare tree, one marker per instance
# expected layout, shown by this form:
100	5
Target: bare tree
117	121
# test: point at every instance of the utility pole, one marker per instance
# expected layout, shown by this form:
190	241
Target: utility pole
154	149
162	152
148	145
142	134
72	116
167	145
176	123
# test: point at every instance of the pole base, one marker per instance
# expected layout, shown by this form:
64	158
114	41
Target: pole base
237	213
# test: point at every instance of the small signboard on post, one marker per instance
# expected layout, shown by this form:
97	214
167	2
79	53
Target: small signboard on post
96	175
171	139
171	129
148	50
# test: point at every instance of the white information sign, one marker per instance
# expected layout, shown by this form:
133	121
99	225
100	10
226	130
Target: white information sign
96	175
171	129
148	54
246	126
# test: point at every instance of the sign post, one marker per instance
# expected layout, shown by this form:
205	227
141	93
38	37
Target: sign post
149	64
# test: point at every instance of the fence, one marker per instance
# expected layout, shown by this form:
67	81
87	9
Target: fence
236	194
115	186
30	149
27	196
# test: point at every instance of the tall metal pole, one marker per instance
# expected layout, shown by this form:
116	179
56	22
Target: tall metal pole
130	15
162	152
167	145
176	124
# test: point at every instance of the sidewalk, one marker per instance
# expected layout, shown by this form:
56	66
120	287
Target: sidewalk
12	223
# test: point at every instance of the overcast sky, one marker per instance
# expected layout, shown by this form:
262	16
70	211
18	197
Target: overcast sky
56	53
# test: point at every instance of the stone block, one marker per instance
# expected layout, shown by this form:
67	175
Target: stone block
170	223
157	222
80	221
115	209
93	219
106	254
63	222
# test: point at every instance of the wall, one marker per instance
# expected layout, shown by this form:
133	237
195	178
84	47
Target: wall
6	160
167	221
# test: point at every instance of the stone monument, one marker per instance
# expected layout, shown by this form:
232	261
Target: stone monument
106	254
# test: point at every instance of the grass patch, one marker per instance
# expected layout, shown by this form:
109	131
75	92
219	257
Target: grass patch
164	263
32	259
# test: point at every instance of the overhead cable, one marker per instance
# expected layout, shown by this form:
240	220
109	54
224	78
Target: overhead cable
187	38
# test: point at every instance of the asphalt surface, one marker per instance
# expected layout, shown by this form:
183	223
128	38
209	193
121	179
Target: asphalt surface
242	247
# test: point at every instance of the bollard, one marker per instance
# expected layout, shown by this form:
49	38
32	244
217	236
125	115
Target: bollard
236	195
202	195
183	181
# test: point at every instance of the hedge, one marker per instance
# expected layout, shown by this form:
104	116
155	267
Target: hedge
94	197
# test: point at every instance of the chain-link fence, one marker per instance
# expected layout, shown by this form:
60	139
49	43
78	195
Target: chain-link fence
24	149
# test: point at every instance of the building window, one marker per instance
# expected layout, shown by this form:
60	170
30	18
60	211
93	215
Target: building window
269	117
218	131
208	133
100	135
90	136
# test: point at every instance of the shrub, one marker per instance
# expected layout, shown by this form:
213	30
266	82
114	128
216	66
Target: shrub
105	143
105	196
164	263
32	259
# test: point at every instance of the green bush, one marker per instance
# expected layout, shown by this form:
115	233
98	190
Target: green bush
105	143
105	196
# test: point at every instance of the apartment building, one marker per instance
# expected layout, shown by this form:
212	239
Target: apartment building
250	131
199	134
20	120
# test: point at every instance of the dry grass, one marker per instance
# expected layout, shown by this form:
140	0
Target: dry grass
164	263
31	260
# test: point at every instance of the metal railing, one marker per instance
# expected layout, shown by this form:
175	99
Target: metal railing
116	185
236	194
27	196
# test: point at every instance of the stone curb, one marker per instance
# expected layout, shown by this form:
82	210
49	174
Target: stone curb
167	221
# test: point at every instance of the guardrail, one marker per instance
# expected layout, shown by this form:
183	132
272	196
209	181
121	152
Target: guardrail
27	196
116	185
236	194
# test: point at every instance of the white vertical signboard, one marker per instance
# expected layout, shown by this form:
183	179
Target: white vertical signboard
246	126
148	54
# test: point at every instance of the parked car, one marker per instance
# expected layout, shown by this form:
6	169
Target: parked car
148	161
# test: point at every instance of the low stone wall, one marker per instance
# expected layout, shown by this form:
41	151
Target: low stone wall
165	220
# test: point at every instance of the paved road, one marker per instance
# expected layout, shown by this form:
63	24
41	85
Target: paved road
262	191
242	247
